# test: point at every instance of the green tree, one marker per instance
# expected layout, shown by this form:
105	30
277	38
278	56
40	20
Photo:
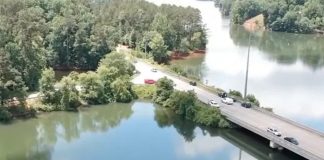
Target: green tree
183	103
92	89
118	61
252	99
107	76
164	90
245	9
122	90
11	83
47	87
70	97
158	49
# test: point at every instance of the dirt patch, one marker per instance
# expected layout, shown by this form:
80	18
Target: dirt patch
255	24
192	54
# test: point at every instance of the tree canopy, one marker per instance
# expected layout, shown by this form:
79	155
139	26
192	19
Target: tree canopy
297	16
70	34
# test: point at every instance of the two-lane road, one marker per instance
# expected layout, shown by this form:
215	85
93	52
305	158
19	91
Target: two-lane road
311	143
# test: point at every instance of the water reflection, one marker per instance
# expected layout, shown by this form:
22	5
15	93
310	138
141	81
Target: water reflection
122	131
36	139
284	48
200	141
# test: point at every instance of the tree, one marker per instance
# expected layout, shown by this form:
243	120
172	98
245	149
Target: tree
252	99
92	89
107	76
183	103
184	46
28	49
70	98
122	90
158	49
164	90
245	9
11	83
118	61
47	87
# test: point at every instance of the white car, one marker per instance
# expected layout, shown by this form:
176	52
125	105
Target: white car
154	70
227	100
213	103
274	131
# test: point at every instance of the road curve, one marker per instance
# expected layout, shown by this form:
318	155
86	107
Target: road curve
311	144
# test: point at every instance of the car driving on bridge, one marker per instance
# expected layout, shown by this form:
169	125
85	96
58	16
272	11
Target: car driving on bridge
213	103
227	100
291	140
273	131
246	105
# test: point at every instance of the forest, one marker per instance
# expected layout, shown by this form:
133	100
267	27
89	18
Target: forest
295	16
77	34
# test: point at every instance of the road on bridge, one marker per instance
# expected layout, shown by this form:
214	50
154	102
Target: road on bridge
311	143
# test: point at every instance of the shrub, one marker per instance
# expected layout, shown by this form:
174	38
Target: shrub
5	115
235	93
144	91
251	98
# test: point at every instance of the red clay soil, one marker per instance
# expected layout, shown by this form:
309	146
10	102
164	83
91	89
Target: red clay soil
176	55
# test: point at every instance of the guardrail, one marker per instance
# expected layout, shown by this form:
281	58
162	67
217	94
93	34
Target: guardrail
258	131
275	139
290	122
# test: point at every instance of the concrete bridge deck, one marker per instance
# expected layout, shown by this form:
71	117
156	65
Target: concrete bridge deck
311	142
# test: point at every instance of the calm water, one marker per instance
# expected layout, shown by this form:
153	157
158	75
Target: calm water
127	131
286	70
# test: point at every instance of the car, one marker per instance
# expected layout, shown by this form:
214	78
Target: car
227	100
246	105
274	131
193	83
213	103
291	140
222	94
149	81
154	70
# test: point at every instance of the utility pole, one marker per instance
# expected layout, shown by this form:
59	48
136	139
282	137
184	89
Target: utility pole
247	66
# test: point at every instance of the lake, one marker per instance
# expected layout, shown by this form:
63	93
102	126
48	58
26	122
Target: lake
139	130
286	70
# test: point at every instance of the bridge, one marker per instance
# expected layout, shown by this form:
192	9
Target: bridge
311	142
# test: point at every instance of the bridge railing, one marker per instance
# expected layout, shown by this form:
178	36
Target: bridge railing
294	148
291	122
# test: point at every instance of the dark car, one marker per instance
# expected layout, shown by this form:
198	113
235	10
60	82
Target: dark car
193	83
222	94
246	105
291	140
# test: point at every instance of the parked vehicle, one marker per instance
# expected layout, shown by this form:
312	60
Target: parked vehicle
154	70
274	131
222	94
213	103
246	105
149	81
227	100
291	140
193	83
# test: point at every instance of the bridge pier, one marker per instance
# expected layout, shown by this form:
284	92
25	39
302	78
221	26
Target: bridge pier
275	145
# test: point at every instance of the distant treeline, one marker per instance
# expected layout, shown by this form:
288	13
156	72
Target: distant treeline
296	16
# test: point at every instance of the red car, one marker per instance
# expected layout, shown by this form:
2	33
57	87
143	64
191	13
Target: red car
149	81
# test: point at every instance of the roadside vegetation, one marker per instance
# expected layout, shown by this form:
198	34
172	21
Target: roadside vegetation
187	105
296	16
109	83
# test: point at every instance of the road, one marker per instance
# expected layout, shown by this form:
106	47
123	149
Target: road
311	143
